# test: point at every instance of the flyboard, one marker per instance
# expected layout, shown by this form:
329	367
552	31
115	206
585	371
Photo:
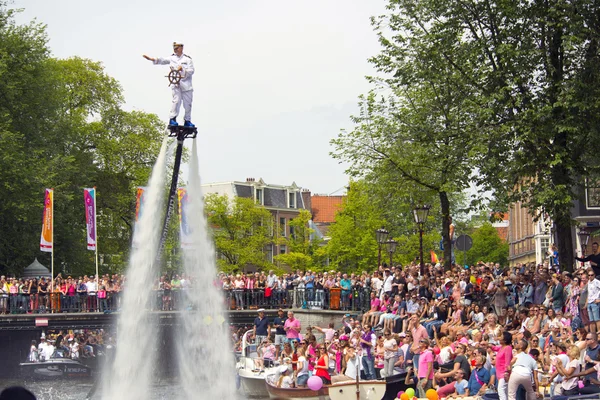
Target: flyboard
181	132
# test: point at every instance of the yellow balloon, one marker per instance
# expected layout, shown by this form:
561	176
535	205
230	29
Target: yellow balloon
220	319
207	320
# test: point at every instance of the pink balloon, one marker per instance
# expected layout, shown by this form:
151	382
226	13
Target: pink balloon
581	384
400	393
314	383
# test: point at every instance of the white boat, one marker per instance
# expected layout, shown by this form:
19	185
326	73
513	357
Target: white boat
251	378
369	390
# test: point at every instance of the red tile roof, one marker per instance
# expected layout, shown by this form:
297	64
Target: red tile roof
325	207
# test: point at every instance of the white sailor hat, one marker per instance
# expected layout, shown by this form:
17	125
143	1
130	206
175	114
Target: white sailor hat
175	44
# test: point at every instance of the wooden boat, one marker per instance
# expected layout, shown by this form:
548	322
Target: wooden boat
369	390
296	393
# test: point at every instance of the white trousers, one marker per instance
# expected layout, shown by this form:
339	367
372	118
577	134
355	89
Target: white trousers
502	389
179	97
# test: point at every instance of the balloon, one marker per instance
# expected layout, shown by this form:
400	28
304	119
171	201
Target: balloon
400	393
404	396
581	384
432	394
410	392
314	383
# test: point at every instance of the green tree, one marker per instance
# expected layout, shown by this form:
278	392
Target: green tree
61	127
488	246
532	74
301	244
242	230
419	132
352	245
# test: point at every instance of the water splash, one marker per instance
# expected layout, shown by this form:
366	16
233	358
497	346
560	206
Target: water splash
130	374
206	365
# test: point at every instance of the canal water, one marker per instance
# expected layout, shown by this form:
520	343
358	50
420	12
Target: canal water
78	390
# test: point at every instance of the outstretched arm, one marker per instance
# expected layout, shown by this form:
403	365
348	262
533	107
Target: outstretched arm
156	60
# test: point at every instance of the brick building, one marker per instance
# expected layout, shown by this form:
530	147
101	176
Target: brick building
529	240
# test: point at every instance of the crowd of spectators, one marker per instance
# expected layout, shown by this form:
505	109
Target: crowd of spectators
80	294
74	344
466	331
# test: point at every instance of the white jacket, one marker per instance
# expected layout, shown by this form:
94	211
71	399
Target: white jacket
186	64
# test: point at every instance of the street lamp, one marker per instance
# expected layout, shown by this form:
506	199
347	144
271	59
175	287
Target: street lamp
584	237
391	248
420	214
381	234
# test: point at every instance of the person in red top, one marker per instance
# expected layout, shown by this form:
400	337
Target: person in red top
322	366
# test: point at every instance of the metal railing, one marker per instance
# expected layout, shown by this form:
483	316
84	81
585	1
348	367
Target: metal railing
173	300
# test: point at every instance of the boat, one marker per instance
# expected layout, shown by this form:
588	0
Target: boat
59	365
369	390
296	393
251	379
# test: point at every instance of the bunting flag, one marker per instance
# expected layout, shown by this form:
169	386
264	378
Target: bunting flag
89	197
434	257
46	243
139	202
185	232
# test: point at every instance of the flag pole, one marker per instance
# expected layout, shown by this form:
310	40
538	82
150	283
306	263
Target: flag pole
96	228
52	236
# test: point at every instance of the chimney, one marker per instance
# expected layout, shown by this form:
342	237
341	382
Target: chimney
306	199
249	179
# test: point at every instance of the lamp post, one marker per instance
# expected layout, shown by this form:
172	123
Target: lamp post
391	248
381	234
584	237
420	214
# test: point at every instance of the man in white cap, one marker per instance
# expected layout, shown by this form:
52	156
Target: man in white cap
183	91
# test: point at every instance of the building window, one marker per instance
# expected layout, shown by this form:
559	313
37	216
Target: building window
282	227
544	244
259	197
292	200
282	249
592	192
269	252
292	232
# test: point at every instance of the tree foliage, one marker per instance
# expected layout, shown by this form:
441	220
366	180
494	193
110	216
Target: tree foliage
303	247
352	244
242	230
487	247
531	72
62	127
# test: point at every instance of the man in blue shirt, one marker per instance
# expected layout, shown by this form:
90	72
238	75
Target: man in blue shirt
261	327
346	285
479	377
278	324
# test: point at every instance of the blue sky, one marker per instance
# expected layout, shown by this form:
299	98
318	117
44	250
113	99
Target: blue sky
274	81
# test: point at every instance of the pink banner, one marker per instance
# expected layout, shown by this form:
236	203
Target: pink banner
89	197
48	220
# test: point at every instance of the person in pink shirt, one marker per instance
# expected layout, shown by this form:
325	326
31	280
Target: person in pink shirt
292	329
373	312
425	371
504	355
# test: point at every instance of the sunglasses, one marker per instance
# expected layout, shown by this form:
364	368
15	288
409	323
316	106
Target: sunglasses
592	275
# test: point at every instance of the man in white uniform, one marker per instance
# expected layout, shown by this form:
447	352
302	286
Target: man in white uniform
183	91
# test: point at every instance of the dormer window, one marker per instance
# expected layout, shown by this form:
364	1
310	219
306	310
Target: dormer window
259	196
292	200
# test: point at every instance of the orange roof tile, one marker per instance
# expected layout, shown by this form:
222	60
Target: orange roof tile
325	207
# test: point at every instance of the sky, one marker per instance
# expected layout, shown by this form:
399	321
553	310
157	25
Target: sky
275	81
